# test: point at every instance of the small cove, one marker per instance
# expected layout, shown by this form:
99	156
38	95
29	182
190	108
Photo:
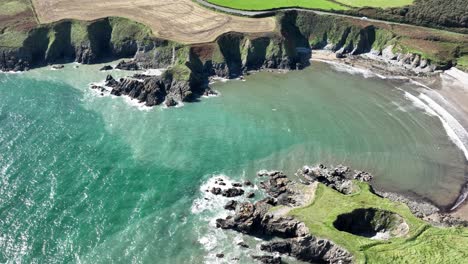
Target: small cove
94	179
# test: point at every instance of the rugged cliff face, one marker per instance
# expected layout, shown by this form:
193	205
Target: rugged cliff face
233	54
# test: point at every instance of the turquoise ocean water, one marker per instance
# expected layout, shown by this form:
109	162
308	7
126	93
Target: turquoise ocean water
86	178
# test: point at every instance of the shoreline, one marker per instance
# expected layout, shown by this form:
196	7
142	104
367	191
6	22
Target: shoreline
301	215
449	85
375	67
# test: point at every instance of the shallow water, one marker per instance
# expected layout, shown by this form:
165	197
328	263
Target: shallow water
92	179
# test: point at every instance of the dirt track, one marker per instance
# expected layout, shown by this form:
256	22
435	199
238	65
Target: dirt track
177	20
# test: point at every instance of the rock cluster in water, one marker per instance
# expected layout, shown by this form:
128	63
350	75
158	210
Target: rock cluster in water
151	90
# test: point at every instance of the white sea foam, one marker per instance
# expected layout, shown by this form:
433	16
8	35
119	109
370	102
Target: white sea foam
419	84
154	72
218	79
134	102
418	103
12	72
458	75
216	94
350	69
455	131
209	207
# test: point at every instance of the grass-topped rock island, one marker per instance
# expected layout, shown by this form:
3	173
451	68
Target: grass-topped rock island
333	215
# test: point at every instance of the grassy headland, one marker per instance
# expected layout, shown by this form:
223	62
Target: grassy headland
423	244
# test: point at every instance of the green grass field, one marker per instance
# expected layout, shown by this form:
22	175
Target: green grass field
312	4
270	4
12	7
423	244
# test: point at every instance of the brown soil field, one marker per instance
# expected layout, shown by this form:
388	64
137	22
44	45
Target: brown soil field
178	20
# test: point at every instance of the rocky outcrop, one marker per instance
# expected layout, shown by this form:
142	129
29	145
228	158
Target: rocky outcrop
424	210
152	90
338	178
256	219
127	65
309	249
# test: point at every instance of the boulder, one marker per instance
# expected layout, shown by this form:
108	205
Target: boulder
312	249
110	81
243	245
231	205
106	68
128	65
215	190
169	102
281	246
232	192
362	176
276	184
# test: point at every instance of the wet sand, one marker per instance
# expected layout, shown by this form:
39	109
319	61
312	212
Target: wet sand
449	89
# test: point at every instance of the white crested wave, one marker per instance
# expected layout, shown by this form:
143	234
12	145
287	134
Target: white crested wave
218	79
209	207
154	72
455	131
458	75
11	72
350	69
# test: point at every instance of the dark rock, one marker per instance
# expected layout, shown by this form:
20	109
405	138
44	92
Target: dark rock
276	184
209	92
285	227
247	219
128	65
269	200
222	183
340	55
311	249
243	245
110	81
170	102
58	67
232	192
250	195
216	190
220	255
362	176
106	68
281	246
231	205
336	178
247	183
237	184
267	259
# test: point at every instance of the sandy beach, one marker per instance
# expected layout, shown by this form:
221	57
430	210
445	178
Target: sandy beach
448	88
